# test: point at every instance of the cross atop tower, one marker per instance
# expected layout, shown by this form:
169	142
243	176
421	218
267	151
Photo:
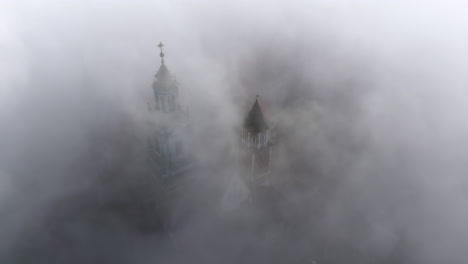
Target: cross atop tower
160	46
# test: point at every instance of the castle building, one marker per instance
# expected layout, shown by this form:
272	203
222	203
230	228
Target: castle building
170	143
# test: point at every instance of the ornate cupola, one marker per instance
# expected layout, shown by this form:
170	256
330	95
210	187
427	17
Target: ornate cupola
165	87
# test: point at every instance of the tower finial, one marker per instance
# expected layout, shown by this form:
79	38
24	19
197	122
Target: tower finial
257	96
160	46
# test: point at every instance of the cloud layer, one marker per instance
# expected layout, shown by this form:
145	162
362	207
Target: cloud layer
370	99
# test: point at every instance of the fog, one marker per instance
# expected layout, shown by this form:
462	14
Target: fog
369	97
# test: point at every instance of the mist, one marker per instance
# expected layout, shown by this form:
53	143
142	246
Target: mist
369	98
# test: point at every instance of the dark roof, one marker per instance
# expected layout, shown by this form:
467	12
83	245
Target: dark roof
163	73
255	122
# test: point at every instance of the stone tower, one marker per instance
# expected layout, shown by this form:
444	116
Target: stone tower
257	142
170	143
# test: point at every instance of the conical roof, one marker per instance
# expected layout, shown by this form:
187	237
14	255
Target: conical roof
255	122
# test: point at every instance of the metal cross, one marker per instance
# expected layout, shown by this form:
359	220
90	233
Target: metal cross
160	46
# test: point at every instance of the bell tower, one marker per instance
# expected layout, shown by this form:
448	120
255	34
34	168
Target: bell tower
257	139
170	143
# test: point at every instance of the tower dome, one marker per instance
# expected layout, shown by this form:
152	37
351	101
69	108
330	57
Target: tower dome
165	88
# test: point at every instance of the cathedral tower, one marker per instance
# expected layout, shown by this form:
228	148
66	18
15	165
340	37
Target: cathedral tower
171	141
253	182
257	141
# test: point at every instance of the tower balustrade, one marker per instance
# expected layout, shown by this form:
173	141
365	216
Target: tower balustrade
258	140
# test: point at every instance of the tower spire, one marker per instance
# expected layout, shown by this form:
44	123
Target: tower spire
161	54
255	122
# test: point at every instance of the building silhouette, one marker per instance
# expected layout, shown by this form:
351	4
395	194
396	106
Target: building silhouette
252	182
170	143
257	140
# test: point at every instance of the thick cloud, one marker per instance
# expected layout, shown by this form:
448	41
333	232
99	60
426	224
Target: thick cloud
369	98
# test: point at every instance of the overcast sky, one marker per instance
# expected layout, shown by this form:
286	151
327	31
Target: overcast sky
372	94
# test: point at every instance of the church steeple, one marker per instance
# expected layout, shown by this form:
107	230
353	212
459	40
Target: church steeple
257	138
171	140
166	91
163	74
255	122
